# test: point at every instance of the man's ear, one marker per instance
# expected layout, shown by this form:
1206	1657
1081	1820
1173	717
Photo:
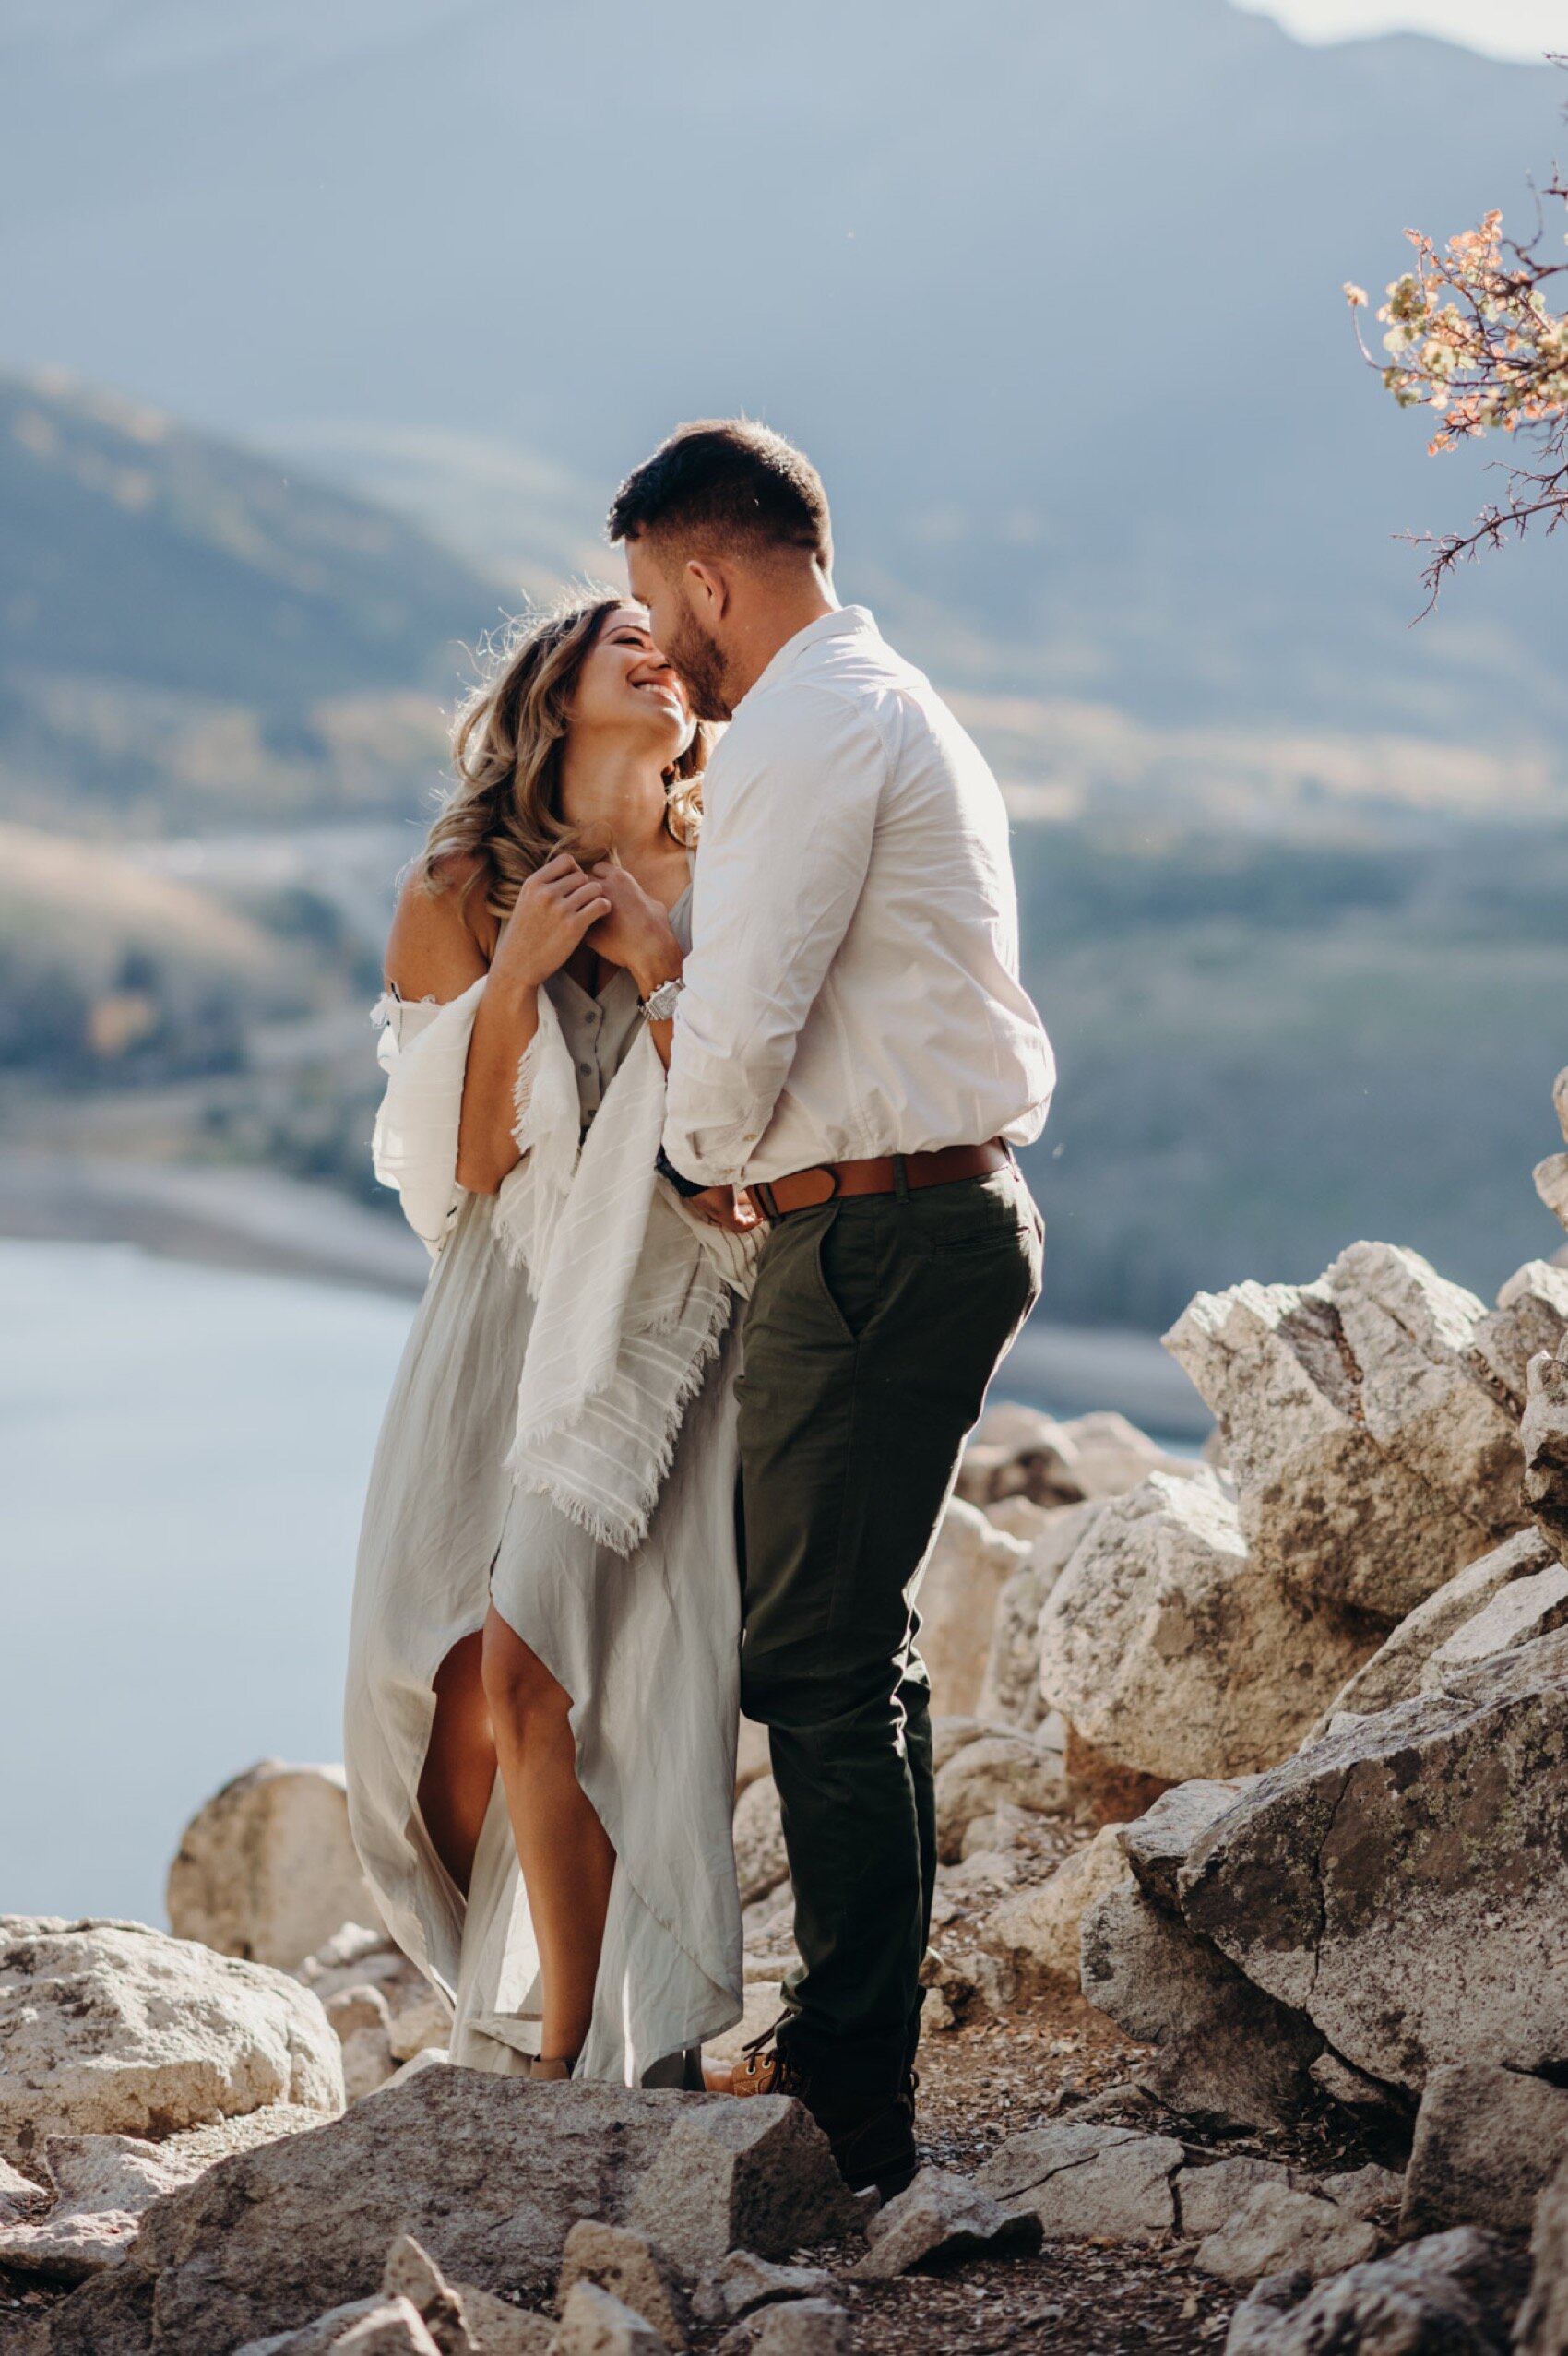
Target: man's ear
709	588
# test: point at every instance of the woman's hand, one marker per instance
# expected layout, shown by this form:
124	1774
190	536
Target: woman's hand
556	908
723	1207
637	932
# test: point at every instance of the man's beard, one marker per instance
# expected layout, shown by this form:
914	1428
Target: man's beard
700	662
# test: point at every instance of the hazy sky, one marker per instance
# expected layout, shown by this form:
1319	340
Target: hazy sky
1501	27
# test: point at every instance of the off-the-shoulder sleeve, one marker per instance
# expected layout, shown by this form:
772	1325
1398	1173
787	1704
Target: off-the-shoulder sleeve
423	1048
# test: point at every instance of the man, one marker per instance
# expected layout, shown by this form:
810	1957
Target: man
850	1045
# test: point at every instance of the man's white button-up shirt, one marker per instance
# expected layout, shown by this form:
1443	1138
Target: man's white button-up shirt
852	986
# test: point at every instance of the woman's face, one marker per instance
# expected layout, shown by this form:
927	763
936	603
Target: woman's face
625	687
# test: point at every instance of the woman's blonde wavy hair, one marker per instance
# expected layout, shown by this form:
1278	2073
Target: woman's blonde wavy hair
504	809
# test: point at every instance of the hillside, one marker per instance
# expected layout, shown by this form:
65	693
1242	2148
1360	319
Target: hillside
190	636
1053	293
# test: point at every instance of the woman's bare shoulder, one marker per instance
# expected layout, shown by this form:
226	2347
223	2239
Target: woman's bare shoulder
434	951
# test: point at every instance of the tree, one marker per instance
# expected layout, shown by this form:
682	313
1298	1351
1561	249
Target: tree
1472	333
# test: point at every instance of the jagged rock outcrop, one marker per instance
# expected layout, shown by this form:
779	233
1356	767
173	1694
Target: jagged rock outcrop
489	2173
1374	1450
266	1868
1173	1651
112	2029
1400	1882
1010	1689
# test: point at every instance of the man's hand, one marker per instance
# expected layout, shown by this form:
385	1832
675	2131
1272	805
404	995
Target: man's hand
722	1206
556	908
637	932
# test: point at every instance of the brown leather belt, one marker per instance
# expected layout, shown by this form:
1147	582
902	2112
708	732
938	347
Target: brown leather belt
828	1182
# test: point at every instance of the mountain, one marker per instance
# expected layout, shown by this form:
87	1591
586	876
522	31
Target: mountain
189	633
1051	292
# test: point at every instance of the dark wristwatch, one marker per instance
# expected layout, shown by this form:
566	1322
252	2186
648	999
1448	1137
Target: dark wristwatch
685	1187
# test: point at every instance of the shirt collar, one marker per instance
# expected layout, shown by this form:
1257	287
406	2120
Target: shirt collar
844	622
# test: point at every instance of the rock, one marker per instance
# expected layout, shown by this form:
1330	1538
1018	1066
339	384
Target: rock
267	1869
411	2273
325	2333
1007	1768
1487	2142
103	2186
488	2173
1103	1792
424	2023
940	2219
1452	2296
741	2283
1038	1931
1010	1691
112	2028
1525	1608
1544	1436
593	2323
1370	2192
1088	2180
1275	2231
951	1735
1019	1518
391	2329
1551	1184
1368	2096
361	2007
1543	2321
19	2195
1171	1650
367	2063
801	2327
1372	1456
761	1862
755	2176
1393	1672
969	1564
1226	2051
1157	1844
498	2328
624	2264
1531	1316
1208	2197
1018	1451
1399	1882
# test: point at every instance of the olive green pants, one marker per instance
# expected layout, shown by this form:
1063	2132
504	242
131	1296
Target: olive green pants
874	1330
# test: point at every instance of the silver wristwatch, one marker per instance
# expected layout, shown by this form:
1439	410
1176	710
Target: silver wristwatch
659	1005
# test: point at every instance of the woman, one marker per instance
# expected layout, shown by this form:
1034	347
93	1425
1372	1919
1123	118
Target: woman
544	1655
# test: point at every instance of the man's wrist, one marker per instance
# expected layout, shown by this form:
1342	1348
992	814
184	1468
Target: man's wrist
657	961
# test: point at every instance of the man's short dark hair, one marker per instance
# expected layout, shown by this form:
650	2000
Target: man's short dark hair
724	480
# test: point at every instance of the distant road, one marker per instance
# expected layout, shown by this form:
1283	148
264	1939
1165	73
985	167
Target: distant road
260	1220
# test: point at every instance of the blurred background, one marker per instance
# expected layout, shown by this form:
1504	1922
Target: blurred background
327	330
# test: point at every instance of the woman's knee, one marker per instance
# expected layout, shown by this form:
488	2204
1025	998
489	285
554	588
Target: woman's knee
516	1681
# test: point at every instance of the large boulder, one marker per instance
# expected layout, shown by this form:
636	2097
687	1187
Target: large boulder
999	1770
1401	1881
1551	1175
1531	1316
488	2173
1526	1608
762	1862
1487	2142
1543	2321
1395	1670
1454	2295
1373	1450
112	2028
267	1869
1038	1931
968	1564
1225	2051
1173	1651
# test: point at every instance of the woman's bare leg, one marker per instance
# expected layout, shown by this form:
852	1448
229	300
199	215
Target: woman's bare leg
564	1851
459	1774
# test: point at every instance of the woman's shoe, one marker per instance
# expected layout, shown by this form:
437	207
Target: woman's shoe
552	2071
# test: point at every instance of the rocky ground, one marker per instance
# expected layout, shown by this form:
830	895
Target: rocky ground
1247	1996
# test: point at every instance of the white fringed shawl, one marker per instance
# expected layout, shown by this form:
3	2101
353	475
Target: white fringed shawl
633	1292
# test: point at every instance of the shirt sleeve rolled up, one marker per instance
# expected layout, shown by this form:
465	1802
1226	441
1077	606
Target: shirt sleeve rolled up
787	839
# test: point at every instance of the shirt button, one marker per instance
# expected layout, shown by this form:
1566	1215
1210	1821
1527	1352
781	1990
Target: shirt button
586	1070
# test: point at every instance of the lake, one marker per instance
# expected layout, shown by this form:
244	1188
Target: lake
183	1453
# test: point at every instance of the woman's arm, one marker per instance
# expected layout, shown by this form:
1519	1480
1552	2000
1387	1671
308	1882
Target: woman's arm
434	954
